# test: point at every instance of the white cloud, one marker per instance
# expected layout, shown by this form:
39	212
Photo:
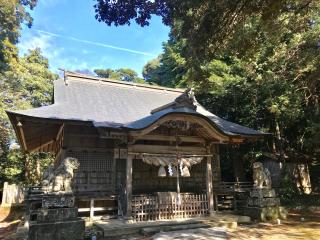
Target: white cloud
96	43
67	57
84	51
41	41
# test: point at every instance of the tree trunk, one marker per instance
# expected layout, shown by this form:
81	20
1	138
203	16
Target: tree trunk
38	170
27	168
279	139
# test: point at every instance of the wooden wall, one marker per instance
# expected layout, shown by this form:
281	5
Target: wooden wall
97	166
145	178
100	173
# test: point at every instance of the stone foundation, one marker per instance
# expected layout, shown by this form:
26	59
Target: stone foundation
58	201
266	213
263	205
51	216
57	215
65	230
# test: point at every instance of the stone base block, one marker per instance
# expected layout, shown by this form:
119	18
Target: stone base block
262	193
266	213
263	202
57	200
57	214
66	230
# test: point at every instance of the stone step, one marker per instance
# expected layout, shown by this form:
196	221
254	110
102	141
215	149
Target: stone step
153	230
110	229
135	228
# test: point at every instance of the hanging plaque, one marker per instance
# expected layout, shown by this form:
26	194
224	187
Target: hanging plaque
123	153
116	153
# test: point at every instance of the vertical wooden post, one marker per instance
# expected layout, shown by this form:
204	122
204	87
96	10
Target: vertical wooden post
217	170
129	186
91	208
209	185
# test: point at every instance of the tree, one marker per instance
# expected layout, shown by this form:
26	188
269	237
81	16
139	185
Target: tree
12	14
263	80
28	84
208	25
168	69
123	74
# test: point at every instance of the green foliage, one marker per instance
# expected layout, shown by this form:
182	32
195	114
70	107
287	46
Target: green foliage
288	189
123	74
11	166
24	169
27	83
12	14
264	74
168	69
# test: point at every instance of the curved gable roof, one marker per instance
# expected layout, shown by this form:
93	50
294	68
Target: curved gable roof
117	104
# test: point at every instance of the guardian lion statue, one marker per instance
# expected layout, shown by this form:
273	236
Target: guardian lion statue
261	176
60	179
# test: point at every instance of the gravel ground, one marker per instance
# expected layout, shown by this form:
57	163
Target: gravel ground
301	225
193	234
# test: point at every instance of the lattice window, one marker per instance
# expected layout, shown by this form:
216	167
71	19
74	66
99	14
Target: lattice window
93	161
96	171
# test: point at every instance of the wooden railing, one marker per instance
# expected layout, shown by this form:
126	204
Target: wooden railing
231	195
88	204
233	187
154	207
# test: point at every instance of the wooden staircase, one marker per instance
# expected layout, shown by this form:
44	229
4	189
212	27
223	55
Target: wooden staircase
115	228
231	195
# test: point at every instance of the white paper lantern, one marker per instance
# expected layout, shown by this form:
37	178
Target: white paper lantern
162	172
185	172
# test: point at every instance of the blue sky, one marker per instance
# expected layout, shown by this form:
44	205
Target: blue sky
71	38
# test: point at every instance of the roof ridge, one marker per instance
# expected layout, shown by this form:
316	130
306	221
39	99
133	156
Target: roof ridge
108	80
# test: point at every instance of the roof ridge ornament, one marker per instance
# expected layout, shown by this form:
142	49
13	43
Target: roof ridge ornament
186	99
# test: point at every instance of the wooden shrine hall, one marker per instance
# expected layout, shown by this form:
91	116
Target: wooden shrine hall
153	151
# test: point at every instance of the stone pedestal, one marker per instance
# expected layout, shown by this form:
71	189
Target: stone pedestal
56	218
263	204
64	230
58	200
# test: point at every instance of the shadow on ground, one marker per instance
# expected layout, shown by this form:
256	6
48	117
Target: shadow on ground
9	219
299	225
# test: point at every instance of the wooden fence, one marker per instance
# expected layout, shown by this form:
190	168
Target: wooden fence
159	207
12	194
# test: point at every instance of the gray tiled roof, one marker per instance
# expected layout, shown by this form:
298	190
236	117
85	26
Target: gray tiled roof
118	105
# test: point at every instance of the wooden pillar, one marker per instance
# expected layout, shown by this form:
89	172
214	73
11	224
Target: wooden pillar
209	185
217	161
91	208
129	186
217	180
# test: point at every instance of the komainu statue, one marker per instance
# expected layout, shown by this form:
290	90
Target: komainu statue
261	176
60	179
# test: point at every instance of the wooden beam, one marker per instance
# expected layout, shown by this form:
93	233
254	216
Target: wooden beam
213	131
42	146
237	140
129	186
169	154
141	148
171	138
58	154
60	131
24	144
